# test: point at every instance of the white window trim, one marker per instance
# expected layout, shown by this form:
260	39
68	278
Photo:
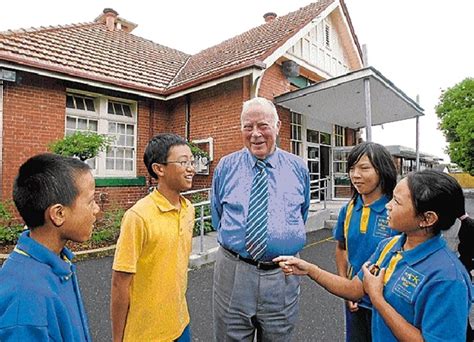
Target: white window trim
103	119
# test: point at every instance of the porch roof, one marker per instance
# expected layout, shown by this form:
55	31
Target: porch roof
341	100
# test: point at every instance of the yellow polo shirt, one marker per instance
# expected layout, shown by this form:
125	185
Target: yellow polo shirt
155	244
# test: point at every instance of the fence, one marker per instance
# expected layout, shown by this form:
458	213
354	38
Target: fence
200	209
320	188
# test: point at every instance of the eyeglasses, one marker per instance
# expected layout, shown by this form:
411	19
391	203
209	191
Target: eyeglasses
183	163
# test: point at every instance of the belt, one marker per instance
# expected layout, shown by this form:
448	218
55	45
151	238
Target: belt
261	265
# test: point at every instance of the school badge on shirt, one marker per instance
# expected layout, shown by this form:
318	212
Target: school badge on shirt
407	284
382	230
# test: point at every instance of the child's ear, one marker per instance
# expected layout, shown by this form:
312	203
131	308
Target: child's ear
158	169
429	219
56	214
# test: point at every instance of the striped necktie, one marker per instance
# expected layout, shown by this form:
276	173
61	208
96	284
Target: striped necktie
256	233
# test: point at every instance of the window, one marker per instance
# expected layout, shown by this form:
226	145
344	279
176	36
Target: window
296	138
339	136
111	117
317	137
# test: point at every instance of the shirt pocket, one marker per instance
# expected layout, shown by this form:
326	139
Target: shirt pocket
292	203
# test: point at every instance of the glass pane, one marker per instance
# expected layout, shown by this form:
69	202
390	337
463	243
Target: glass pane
109	164
82	124
313	152
90	105
127	111
312	136
70	122
342	180
110	108
129	141
325	138
129	165
118	109
91	163
128	153
110	153
118	164
130	130
69	101
121	140
121	128
70	131
93	125
79	103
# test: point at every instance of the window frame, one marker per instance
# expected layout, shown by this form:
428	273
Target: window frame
103	119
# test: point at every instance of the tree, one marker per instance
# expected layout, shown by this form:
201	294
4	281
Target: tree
456	112
83	145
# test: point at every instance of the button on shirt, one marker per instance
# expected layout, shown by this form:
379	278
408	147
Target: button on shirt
288	187
428	286
39	296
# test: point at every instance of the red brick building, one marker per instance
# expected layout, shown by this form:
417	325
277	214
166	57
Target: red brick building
99	76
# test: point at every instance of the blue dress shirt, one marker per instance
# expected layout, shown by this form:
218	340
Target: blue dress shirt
39	296
288	204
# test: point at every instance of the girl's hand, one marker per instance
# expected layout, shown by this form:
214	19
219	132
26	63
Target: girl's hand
373	281
352	306
292	265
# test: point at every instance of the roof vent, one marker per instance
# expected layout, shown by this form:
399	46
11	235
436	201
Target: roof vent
110	16
269	16
113	22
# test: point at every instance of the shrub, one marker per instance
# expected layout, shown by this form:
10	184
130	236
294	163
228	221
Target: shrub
107	229
83	145
196	198
9	229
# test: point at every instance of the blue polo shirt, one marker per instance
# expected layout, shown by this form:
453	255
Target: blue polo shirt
39	296
428	286
288	203
363	240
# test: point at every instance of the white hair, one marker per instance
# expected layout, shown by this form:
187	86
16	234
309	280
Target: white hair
261	102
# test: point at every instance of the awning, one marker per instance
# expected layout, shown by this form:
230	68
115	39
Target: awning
342	100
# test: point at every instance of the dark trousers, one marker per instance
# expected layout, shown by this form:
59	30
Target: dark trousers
359	325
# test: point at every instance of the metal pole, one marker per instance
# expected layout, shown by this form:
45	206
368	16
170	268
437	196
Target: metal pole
201	248
417	140
368	110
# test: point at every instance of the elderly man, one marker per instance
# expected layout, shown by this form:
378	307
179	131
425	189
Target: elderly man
259	207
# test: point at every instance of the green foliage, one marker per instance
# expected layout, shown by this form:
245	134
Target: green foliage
9	230
456	112
83	145
107	229
196	198
197	152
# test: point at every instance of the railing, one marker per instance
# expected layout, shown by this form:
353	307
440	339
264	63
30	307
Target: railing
200	207
317	186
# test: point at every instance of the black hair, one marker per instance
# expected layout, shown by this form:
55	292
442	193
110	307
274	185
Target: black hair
158	149
44	180
436	191
382	162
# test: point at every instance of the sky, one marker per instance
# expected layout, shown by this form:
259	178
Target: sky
422	46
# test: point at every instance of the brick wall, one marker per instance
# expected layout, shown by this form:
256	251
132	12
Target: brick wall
33	117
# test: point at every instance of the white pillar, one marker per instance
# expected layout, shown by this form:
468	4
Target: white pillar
368	111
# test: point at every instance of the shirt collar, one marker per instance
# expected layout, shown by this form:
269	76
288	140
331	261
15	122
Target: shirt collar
35	250
421	251
271	160
162	202
377	206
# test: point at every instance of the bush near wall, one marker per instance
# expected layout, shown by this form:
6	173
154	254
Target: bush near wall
465	180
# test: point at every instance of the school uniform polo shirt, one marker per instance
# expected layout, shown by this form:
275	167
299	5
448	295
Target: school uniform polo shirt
427	285
39	296
366	227
154	245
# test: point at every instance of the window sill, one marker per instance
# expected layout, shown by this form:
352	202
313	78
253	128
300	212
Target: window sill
119	181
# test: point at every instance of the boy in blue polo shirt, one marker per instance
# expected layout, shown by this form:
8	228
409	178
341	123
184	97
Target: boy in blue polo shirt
39	294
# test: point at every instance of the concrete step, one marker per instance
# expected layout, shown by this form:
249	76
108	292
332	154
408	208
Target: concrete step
334	216
330	224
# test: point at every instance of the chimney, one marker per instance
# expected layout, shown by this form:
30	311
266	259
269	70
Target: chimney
269	16
110	17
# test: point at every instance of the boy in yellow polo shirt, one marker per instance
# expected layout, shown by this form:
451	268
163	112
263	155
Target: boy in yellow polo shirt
149	276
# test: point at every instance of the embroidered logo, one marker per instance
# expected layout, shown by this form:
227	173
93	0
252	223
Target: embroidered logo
382	230
407	284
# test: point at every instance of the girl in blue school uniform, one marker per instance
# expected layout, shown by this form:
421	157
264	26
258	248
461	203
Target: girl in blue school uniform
419	289
362	225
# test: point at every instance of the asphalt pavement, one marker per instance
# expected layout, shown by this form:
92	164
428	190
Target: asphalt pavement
321	314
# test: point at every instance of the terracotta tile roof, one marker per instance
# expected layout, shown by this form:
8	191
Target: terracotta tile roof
251	47
90	51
